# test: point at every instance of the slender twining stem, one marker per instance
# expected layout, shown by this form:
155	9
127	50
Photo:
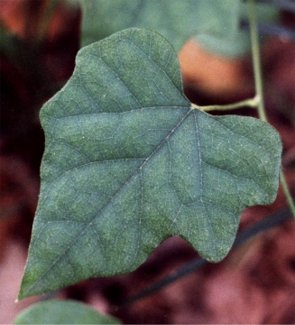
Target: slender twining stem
287	193
255	49
252	103
256	59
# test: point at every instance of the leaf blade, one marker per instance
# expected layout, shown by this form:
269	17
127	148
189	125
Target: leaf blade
62	312
116	181
176	20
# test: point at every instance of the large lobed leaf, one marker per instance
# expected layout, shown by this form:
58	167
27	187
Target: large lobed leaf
233	41
176	20
62	312
129	163
215	24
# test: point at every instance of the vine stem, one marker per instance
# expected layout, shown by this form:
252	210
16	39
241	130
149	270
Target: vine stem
256	59
252	103
255	49
288	195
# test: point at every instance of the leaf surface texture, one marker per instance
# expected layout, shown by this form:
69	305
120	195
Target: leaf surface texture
62	312
176	20
129	163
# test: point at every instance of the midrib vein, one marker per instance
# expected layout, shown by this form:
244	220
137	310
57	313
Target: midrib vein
74	241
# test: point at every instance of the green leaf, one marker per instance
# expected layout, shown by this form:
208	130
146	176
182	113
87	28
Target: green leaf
176	20
62	312
234	42
129	163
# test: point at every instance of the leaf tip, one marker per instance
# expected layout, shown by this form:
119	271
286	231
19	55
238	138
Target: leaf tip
24	290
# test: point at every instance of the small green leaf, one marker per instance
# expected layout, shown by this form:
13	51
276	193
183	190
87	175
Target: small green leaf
129	163
176	20
62	312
